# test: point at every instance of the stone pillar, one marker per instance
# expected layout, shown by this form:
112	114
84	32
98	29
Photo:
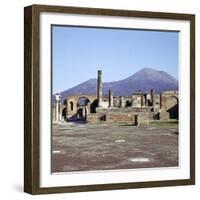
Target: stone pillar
122	102
142	100
83	113
99	88
86	113
88	107
60	111
160	100
152	97
145	100
132	101
58	107
110	98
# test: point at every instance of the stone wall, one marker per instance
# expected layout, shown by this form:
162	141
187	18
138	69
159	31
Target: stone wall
71	103
135	116
137	100
169	105
113	117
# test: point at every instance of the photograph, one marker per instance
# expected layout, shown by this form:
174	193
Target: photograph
114	98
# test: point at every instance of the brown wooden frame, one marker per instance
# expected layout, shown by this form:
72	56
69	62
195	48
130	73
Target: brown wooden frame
32	106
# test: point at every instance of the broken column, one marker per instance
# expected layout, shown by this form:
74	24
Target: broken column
132	101
145	99
110	98
122	102
88	107
152	96
142	100
58	107
99	88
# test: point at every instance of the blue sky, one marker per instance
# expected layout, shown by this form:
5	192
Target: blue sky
78	53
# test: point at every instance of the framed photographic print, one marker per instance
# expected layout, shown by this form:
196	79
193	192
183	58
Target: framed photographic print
109	99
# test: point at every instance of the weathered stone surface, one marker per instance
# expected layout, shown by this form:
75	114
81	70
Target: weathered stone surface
169	108
93	118
143	119
85	147
136	116
114	117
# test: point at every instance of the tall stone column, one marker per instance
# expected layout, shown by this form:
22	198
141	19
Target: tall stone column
122	102
152	97
99	88
160	100
58	107
110	98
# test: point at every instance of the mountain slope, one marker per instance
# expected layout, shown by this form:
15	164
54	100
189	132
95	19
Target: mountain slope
143	80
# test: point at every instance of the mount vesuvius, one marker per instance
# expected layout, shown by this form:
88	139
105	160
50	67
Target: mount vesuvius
144	80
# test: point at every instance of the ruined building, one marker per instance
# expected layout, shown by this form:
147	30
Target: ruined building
138	108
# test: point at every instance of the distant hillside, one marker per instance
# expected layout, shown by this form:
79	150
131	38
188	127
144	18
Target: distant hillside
143	80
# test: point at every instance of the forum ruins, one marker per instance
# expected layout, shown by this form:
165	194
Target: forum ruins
136	109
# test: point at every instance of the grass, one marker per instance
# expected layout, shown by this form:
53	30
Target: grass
165	124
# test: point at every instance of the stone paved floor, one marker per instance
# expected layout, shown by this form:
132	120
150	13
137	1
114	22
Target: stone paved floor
84	147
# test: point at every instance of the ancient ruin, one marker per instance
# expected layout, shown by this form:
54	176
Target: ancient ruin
137	109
